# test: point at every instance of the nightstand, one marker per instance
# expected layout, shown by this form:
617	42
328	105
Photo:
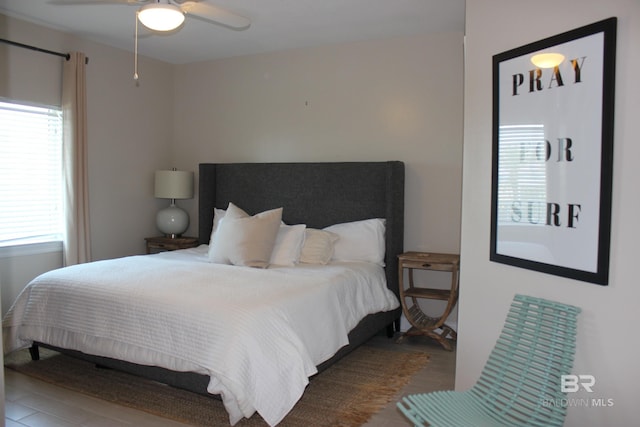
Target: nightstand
423	324
161	243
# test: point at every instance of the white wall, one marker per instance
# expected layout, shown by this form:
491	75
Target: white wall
607	347
398	99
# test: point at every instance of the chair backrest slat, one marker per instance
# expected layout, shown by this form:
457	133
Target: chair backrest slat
523	372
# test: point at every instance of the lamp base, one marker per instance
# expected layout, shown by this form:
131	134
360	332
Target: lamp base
172	221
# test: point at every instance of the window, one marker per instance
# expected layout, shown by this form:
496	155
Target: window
30	174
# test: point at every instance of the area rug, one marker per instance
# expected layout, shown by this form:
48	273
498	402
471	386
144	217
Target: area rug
346	394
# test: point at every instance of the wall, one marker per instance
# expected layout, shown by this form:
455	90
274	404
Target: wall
605	347
379	100
398	99
129	131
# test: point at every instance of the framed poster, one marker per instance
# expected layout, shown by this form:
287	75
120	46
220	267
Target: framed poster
553	154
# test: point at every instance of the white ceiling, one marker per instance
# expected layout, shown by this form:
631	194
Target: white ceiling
276	25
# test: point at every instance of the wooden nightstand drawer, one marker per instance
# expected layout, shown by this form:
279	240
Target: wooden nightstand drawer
429	260
161	243
426	265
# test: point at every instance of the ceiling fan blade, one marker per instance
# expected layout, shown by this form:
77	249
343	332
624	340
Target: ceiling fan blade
91	2
214	15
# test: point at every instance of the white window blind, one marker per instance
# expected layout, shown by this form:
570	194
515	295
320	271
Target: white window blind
30	174
522	175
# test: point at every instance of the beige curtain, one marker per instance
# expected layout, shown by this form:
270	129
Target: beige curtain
77	244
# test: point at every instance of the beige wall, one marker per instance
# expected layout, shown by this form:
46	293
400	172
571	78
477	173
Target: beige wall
607	347
129	133
130	136
32	77
391	99
398	99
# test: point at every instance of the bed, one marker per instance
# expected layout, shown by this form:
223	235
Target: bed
299	334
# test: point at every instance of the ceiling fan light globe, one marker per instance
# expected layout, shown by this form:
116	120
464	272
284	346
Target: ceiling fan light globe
547	60
161	17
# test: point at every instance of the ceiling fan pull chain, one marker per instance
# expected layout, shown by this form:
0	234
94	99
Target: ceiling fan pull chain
135	53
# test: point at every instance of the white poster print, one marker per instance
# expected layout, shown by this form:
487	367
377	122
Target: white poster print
548	156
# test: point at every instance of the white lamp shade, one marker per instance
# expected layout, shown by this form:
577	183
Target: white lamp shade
161	17
173	184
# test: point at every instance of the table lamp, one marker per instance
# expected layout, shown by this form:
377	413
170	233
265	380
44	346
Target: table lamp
173	184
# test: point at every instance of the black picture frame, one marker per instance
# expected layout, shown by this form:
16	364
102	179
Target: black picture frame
553	155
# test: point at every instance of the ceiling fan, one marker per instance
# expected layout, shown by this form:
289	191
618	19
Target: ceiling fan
167	15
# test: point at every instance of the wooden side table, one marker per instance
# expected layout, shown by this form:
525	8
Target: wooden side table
423	324
161	243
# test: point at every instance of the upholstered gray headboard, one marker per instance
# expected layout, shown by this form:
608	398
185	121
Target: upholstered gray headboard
315	194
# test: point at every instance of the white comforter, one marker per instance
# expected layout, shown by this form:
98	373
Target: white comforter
257	333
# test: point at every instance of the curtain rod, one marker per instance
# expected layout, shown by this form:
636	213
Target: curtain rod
39	49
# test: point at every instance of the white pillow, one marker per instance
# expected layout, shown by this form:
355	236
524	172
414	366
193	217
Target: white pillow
245	240
218	214
360	241
318	246
289	241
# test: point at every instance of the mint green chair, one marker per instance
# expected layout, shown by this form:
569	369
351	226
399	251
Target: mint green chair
520	383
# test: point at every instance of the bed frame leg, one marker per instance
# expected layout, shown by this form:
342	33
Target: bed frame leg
393	327
34	351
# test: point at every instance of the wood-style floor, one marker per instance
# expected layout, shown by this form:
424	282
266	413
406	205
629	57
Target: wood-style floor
29	402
